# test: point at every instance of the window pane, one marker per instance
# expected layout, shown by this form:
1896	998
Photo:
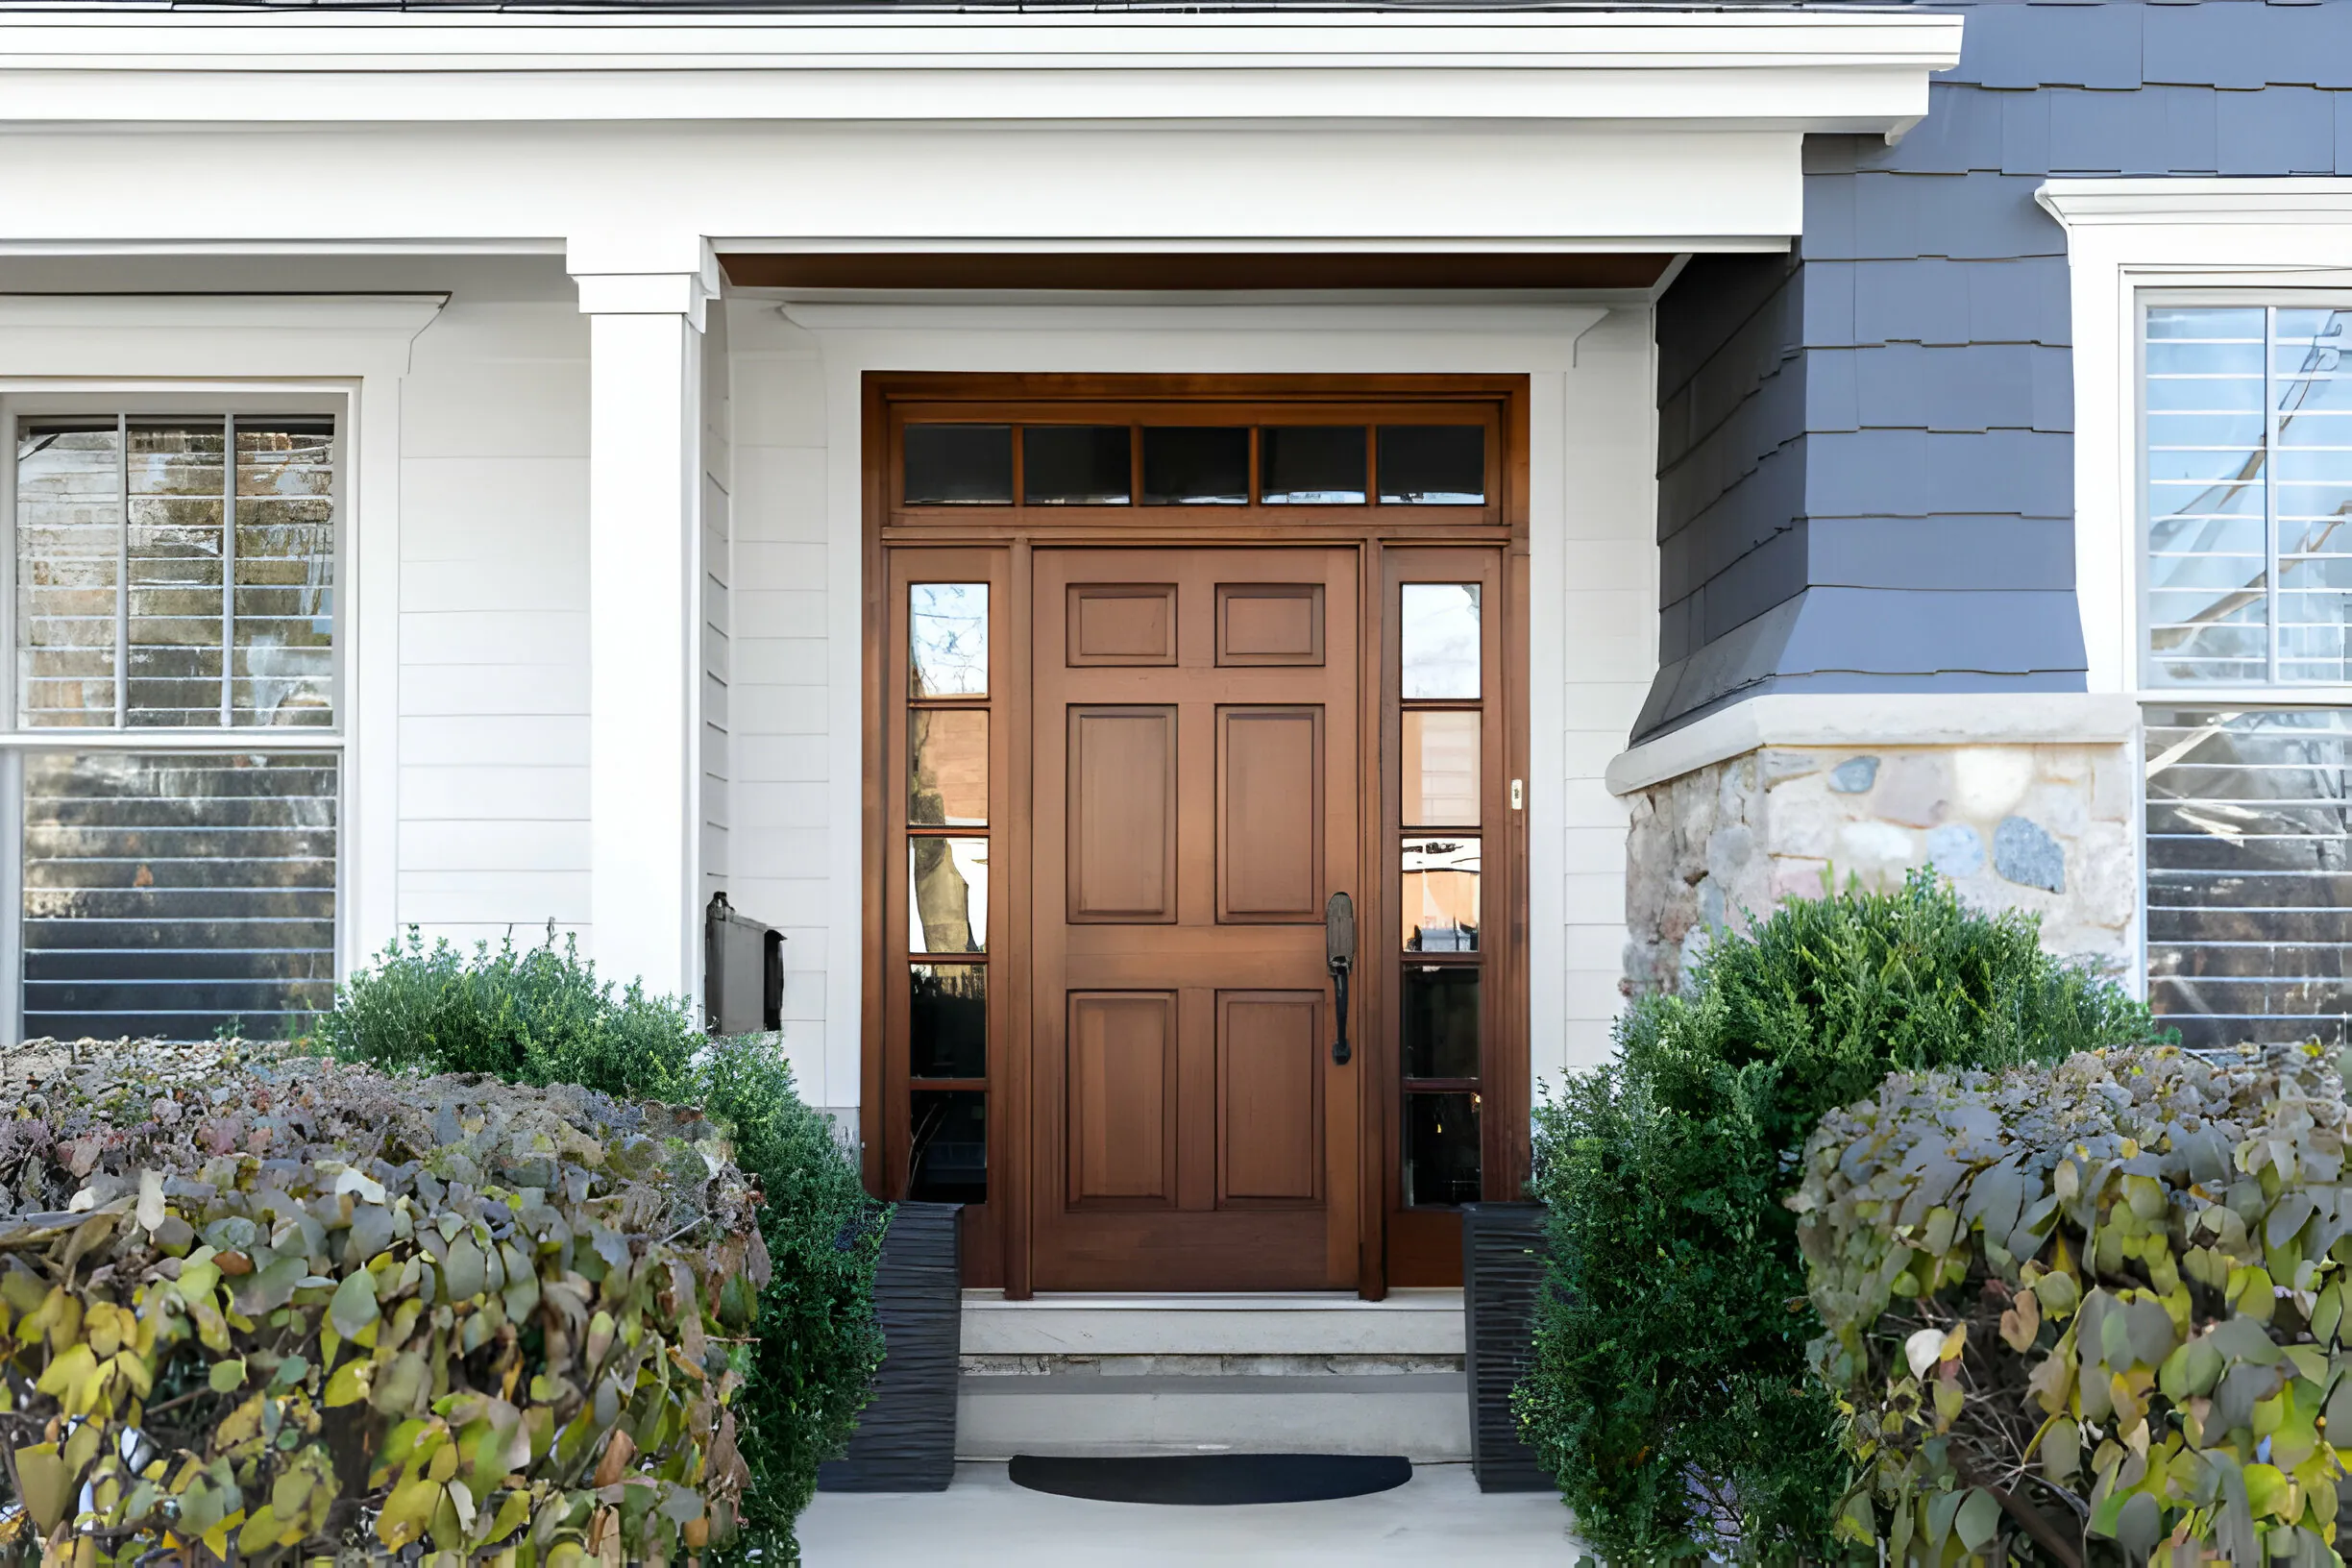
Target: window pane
68	539
947	767
947	638
1441	769
1432	465
1441	1149
1439	632
2249	873
948	1020
1076	465
177	894
949	1158
1311	465
947	902
1442	896
2312	473
1196	466
2207	468
285	622
959	465
1441	1020
179	503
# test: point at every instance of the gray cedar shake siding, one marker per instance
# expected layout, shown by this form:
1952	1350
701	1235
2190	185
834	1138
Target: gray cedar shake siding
1866	449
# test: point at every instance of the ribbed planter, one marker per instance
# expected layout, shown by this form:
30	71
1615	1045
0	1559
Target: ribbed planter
905	1437
1503	1271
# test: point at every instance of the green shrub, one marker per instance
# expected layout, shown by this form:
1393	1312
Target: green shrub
540	1016
2104	1298
1668	1392
272	1307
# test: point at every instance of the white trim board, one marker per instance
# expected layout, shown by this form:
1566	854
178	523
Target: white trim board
352	347
2128	238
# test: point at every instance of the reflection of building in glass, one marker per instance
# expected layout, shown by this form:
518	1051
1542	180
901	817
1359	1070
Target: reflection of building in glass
1442	896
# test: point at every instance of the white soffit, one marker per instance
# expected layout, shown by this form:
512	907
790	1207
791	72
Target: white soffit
1659	131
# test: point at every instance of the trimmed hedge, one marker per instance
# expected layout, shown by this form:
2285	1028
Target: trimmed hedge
268	1307
2104	1298
1668	1391
540	1016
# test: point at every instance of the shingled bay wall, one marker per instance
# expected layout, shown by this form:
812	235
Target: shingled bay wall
1866	447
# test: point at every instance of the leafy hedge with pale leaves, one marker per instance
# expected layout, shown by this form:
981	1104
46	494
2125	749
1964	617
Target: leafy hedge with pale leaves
2090	1308
264	1308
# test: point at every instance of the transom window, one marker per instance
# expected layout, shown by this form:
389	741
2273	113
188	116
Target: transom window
174	575
2247	417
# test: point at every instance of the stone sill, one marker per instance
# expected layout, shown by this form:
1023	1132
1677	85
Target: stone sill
1417	1322
1876	719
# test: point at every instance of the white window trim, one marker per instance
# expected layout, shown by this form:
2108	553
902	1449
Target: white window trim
2130	242
177	350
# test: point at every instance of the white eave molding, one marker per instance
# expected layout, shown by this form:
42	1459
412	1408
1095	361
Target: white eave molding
2111	204
1805	70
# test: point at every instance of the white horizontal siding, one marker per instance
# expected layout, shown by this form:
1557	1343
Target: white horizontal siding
494	789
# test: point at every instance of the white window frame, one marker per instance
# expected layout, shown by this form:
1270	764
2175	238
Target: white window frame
2130	244
260	354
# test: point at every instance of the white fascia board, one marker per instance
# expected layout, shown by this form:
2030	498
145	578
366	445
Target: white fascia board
1830	71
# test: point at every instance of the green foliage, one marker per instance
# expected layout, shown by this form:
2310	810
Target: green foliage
2106	1297
535	1015
271	1308
540	1016
1668	1392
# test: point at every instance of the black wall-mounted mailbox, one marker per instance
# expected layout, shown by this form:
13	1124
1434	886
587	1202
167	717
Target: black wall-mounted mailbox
742	971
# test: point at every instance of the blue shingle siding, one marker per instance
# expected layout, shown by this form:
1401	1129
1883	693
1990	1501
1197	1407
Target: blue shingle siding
1866	449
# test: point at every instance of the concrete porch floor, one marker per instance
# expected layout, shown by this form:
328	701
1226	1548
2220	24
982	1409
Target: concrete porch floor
984	1520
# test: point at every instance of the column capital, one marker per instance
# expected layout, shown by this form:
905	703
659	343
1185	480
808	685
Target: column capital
644	275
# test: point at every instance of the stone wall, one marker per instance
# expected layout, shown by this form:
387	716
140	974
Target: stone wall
2043	827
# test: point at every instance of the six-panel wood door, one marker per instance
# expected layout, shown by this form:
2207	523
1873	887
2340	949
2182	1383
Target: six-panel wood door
1197	799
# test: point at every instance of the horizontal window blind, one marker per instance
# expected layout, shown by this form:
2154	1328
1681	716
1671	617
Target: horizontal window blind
175	573
175	893
2249	873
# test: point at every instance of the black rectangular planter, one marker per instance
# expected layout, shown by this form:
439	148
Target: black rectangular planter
1503	1271
905	1437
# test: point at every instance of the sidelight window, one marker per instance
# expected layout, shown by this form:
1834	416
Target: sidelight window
175	579
947	850
1442	971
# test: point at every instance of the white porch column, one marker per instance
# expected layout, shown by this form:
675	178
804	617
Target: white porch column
644	296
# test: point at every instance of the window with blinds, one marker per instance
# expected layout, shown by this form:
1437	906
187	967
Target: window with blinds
173	576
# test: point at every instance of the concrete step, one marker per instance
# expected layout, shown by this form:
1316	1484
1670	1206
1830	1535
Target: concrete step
1103	1374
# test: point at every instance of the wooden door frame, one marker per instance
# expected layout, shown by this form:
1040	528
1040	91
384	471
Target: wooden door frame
997	542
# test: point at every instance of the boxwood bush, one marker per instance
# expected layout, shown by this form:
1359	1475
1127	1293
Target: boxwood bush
270	1309
540	1016
1668	1392
2096	1302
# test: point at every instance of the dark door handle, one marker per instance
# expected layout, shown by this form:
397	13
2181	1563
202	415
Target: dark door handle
1339	957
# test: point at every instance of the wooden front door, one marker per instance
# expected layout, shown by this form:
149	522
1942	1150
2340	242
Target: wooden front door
1197	799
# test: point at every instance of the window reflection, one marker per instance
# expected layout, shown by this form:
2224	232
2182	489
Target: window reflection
1441	1020
1438	631
1442	896
947	639
948	1161
1432	465
1441	1149
1441	769
947	897
1311	465
959	465
1076	465
948	1020
1196	465
947	767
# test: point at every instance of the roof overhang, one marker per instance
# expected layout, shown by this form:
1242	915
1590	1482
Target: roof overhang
1641	130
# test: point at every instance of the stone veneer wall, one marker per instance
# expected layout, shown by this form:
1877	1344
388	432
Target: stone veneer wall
2041	827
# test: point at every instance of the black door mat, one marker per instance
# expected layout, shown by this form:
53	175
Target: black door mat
1214	1479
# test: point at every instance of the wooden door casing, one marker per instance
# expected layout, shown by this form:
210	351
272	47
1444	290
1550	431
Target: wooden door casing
1197	796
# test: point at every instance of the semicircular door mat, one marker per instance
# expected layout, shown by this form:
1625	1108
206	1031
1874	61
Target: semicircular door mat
1212	1479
